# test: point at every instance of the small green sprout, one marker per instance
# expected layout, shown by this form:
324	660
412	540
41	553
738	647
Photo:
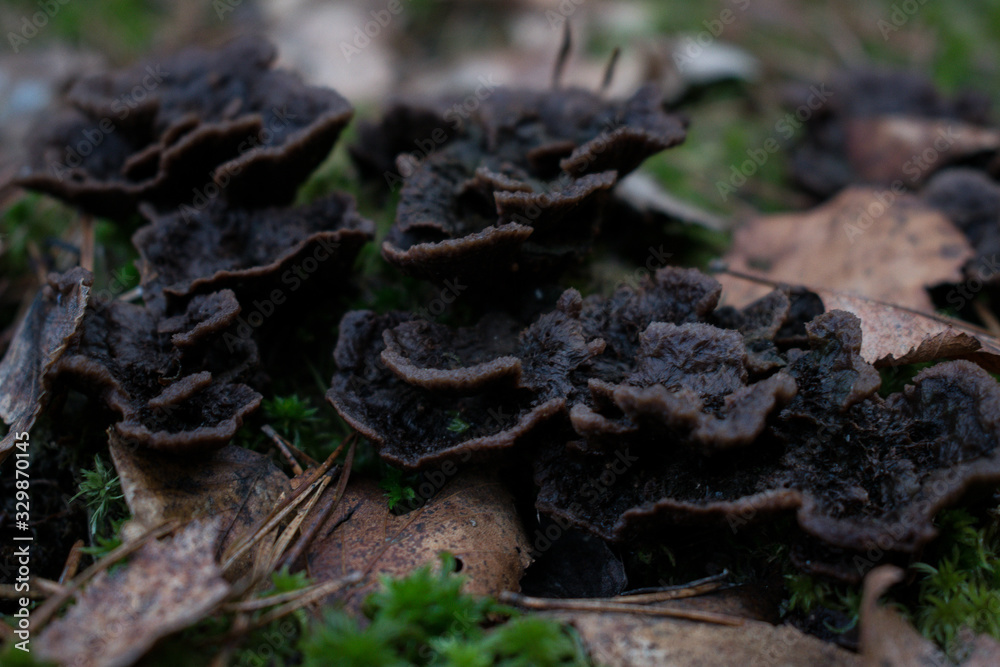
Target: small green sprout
101	491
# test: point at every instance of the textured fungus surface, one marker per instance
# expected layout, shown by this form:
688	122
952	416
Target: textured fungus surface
174	131
522	187
251	251
661	410
637	364
859	471
174	381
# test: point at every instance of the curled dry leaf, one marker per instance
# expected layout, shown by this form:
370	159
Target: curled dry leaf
255	252
883	149
861	242
625	640
888	640
40	340
472	516
894	335
167	585
234	485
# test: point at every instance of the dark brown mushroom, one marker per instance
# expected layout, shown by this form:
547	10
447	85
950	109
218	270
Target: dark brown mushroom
175	381
189	128
398	405
860	472
268	252
520	190
568	363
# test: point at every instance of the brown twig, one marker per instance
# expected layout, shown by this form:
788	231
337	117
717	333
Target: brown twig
988	318
664	593
72	562
567	42
283	508
284	447
87	241
609	70
599	605
10	592
278	551
309	534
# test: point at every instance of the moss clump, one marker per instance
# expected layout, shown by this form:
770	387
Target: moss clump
425	619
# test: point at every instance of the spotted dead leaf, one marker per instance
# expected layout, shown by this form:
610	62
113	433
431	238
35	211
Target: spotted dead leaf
872	243
40	340
472	516
906	150
624	640
888	640
896	336
166	586
233	484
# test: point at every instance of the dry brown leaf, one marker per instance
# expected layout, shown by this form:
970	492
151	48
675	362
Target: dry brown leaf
887	149
41	338
895	336
472	516
166	586
623	640
847	245
888	640
238	486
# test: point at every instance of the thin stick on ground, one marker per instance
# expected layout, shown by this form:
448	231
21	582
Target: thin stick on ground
72	562
283	508
309	534
664	593
283	446
610	606
87	242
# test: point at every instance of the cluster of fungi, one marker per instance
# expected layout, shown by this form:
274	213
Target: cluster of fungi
706	414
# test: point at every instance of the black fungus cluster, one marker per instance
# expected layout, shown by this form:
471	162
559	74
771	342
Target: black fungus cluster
682	412
515	190
211	147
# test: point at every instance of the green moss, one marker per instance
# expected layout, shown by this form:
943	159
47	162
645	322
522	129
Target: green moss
960	582
122	28
101	493
895	378
399	488
807	594
426	619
